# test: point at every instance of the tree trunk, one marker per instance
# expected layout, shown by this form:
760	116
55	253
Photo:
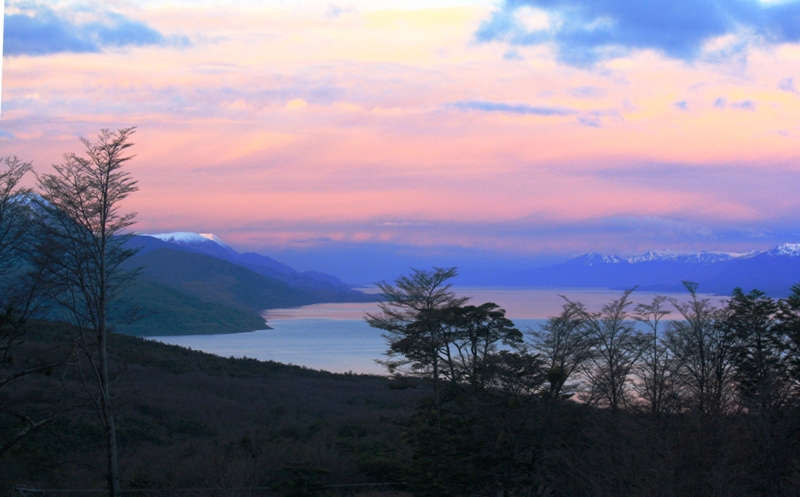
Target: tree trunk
108	418
108	421
436	390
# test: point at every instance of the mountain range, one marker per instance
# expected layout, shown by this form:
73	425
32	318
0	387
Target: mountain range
773	271
191	283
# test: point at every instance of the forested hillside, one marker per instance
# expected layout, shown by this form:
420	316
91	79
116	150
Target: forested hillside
187	419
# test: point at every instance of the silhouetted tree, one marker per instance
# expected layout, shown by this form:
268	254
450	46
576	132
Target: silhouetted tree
763	382
564	345
475	332
21	298
703	344
83	245
488	440
414	319
789	324
657	367
759	361
616	347
13	221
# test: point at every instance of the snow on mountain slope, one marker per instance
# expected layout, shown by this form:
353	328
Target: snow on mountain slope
186	237
774	271
785	249
689	257
595	258
204	243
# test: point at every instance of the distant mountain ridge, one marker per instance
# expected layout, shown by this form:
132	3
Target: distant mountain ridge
702	257
210	244
773	271
192	283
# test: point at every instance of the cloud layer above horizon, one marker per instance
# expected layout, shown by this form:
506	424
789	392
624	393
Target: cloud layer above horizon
587	31
525	128
36	29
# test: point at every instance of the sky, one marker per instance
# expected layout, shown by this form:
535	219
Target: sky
363	137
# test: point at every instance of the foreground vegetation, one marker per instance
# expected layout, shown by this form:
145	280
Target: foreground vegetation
533	417
187	419
615	402
705	403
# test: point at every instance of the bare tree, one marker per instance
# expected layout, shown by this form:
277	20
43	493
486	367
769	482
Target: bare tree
657	367
616	347
13	217
12	212
562	342
83	243
703	344
21	298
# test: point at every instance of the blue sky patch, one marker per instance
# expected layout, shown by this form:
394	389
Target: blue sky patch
588	31
38	30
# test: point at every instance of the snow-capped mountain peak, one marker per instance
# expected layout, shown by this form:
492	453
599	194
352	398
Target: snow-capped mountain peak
653	255
186	238
702	257
786	249
595	258
212	237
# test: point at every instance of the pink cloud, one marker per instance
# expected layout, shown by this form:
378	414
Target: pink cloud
274	118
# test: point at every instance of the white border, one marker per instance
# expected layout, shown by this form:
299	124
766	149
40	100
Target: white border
2	32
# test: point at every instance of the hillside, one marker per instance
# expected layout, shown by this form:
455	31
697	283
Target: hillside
205	287
187	419
325	287
215	280
165	311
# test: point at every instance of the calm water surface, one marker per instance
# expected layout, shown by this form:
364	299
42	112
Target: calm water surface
334	337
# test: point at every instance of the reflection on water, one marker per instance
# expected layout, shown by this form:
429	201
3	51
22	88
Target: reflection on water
333	345
519	303
335	337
